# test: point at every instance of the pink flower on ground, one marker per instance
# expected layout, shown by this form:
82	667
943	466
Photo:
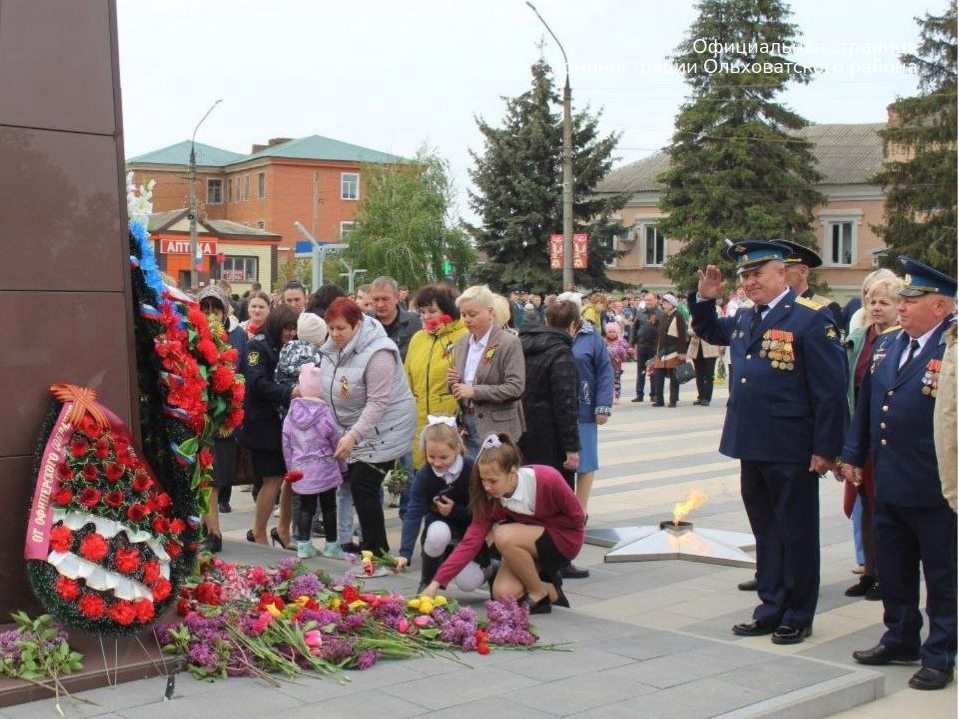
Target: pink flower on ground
423	620
313	638
403	626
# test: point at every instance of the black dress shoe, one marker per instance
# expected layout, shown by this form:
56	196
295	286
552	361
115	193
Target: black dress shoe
561	599
571	571
671	404
658	404
212	543
754	628
224	507
748	586
881	654
929	678
786	634
697	402
860	588
874	593
543	606
704	403
636	399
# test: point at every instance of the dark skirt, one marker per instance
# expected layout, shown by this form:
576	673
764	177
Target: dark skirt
225	452
268	462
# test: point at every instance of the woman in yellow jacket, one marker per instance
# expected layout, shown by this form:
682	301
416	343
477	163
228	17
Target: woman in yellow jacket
429	356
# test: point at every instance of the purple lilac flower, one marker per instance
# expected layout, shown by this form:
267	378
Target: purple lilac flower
336	648
305	585
508	623
353	621
322	617
367	658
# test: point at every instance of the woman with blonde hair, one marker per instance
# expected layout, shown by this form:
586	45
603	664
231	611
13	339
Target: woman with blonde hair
882	302
488	375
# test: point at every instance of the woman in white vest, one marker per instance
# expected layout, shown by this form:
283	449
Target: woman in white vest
365	386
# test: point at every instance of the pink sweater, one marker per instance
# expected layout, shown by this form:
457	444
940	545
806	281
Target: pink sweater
557	509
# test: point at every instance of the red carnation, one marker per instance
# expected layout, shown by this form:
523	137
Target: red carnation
78	446
177	525
164	500
63	497
144	610
67	588
114	499
206	457
142	482
61	538
160	525
90	427
207	593
136	512
89	497
94	547
293	476
222	379
125	457
234	419
183	607
173	549
101	450
91	606
207	350
114	472
350	594
90	472
64	472
230	355
239	391
161	589
127	559
123	613
151	571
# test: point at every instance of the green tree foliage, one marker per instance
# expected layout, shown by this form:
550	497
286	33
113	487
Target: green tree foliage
919	175
737	169
403	226
519	192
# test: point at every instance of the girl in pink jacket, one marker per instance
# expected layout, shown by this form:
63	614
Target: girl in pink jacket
310	436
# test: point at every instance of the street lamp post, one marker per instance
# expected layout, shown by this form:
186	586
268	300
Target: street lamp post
194	260
567	164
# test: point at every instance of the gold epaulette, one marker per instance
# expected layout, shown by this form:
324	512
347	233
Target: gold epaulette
894	328
806	302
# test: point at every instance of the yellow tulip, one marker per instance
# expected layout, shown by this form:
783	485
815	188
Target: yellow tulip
439	600
274	612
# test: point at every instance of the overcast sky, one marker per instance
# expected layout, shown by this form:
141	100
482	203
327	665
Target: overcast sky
394	75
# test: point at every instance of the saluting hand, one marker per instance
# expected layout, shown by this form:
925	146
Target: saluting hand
711	283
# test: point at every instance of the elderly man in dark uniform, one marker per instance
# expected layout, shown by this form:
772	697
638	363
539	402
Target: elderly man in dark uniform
912	522
784	423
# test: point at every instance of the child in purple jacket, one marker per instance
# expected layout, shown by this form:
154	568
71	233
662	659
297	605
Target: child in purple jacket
310	435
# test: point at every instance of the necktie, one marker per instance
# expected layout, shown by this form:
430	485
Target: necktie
757	317
913	348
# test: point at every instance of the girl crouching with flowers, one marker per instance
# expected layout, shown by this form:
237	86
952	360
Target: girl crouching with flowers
439	495
539	526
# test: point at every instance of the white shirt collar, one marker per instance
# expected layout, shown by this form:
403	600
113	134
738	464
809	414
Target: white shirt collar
523	498
776	300
451	474
483	341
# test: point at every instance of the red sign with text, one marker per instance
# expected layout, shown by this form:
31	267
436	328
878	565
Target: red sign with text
580	241
182	247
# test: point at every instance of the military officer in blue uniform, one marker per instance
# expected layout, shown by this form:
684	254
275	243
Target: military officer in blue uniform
784	422
912	521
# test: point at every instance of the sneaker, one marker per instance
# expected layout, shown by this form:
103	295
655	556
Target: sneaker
332	550
305	550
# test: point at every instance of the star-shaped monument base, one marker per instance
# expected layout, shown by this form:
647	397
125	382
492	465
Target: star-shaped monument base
648	543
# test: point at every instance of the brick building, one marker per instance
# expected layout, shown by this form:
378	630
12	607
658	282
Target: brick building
847	156
312	180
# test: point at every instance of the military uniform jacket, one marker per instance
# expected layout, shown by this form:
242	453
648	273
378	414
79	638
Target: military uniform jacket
788	388
893	422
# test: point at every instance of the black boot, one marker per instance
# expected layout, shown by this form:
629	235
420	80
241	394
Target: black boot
430	565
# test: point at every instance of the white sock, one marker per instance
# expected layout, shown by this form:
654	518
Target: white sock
438	537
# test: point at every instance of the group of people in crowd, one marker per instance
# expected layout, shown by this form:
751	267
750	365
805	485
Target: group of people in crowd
343	390
492	404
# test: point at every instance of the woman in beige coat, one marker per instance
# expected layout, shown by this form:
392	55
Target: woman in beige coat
944	425
488	375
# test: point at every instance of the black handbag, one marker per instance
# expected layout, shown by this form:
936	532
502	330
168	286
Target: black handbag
685	372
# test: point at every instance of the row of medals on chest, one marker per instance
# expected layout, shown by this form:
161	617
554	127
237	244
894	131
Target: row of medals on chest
930	379
777	345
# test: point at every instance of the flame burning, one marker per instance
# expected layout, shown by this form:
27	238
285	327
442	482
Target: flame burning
694	500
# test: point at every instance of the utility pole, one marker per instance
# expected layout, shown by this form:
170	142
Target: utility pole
195	255
567	164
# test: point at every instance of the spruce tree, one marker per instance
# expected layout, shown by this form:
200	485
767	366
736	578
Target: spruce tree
737	169
919	175
519	192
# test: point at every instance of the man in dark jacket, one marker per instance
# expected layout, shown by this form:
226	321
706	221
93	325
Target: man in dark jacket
399	324
552	382
645	333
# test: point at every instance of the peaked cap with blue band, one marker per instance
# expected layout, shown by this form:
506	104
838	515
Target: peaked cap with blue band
922	279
